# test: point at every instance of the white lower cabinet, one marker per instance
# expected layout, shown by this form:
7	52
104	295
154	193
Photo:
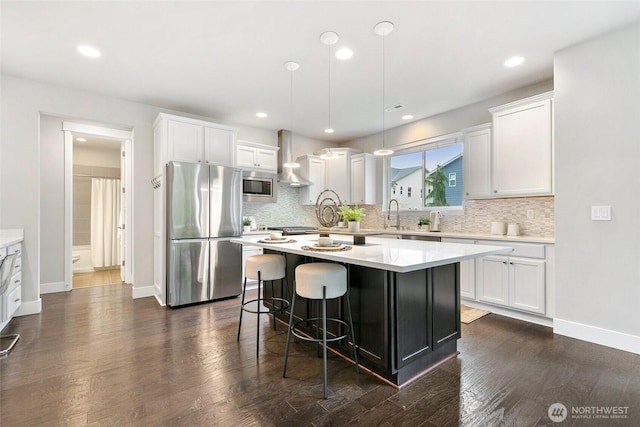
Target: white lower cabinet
11	300
467	271
512	282
517	282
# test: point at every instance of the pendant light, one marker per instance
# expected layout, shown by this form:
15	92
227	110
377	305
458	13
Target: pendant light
383	29
291	67
329	38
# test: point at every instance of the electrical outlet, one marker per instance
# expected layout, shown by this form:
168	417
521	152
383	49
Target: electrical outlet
530	213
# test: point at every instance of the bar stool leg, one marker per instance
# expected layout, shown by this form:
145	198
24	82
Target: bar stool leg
260	285
353	335
286	349
324	337
244	290
273	301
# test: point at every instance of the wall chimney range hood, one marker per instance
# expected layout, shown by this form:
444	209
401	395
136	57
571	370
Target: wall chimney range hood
287	176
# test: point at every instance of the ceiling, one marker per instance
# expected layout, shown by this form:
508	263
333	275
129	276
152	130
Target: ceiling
224	59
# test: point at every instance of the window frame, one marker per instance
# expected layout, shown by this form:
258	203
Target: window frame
422	146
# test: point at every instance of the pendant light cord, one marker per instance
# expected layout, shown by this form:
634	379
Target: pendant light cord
383	64
330	87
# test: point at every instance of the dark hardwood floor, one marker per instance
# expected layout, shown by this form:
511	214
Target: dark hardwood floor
94	356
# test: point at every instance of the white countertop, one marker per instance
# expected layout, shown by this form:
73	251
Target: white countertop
449	234
387	254
472	236
11	237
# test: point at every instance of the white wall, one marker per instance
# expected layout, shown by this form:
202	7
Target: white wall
107	157
32	173
447	122
597	111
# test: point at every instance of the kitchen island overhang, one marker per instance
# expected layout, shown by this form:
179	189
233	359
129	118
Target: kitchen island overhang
405	297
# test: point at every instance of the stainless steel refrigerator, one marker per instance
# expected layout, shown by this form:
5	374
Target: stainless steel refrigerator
204	210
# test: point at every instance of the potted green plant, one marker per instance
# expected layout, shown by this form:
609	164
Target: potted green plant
246	225
424	221
352	216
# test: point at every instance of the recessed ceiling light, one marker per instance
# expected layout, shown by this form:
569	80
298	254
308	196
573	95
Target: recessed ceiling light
514	61
89	51
344	53
407	117
328	130
81	140
261	114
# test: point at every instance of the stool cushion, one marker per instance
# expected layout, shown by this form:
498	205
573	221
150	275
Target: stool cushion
310	278
271	267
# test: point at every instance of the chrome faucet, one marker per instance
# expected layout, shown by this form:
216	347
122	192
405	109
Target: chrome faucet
397	226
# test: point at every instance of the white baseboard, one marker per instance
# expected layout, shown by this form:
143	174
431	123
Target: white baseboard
84	270
614	339
29	307
53	287
143	292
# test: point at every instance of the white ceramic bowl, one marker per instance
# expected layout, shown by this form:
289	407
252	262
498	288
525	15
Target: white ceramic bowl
325	241
275	236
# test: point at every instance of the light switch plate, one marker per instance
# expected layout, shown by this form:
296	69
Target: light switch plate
600	213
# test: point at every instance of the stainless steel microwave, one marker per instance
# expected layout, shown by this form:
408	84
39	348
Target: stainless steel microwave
259	187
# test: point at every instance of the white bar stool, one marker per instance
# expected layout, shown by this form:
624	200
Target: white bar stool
321	281
267	267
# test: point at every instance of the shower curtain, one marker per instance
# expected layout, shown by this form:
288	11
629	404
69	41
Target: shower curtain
105	220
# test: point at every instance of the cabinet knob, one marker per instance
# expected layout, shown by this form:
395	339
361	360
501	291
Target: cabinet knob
495	191
467	194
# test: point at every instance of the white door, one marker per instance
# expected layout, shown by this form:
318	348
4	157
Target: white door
123	211
527	284
493	280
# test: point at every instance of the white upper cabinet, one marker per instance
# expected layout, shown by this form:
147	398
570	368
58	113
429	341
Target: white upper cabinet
338	178
477	161
363	179
523	147
219	146
183	139
312	168
251	155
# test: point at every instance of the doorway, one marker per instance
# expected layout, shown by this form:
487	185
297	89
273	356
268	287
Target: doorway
98	244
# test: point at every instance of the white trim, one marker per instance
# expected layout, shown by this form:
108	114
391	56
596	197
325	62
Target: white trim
29	307
126	139
531	318
53	287
593	334
143	292
68	209
522	102
96	130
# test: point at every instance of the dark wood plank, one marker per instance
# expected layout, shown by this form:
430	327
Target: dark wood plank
96	357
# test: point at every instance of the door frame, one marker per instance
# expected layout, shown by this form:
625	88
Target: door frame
126	139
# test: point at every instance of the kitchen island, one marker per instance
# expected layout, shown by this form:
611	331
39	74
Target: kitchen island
405	298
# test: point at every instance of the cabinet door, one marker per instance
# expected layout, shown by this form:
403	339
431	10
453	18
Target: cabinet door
245	156
468	279
477	163
527	284
312	169
357	180
185	141
493	280
219	146
338	178
522	150
266	159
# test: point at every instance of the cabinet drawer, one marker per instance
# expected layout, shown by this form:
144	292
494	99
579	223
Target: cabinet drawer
14	298
16	280
527	250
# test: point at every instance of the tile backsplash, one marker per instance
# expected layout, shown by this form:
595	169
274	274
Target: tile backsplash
475	218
